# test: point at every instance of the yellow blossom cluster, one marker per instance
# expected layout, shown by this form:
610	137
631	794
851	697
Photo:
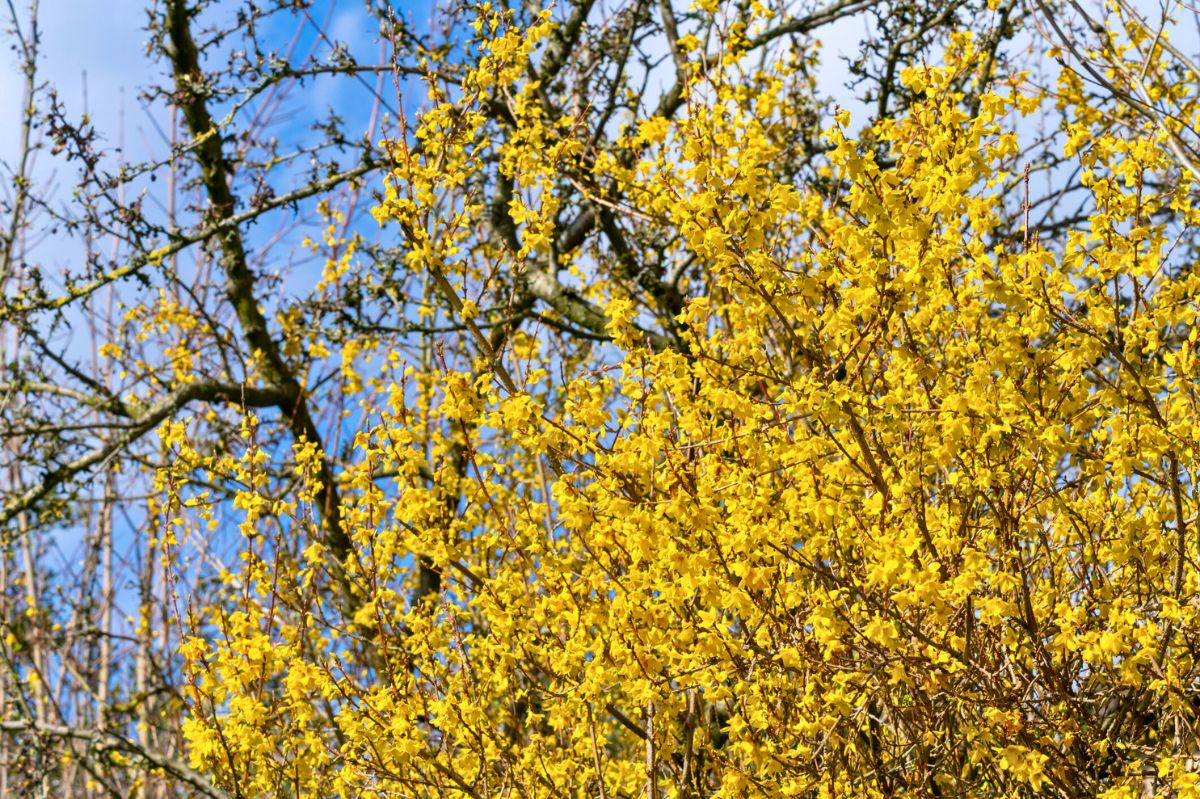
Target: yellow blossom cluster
907	507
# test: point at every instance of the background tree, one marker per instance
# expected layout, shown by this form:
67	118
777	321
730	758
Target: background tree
672	437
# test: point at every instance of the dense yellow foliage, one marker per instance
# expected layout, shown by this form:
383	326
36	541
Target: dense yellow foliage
905	504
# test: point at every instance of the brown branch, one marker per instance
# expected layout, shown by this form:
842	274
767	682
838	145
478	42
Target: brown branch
190	93
103	740
179	241
142	424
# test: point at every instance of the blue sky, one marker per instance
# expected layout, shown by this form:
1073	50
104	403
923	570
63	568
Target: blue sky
94	55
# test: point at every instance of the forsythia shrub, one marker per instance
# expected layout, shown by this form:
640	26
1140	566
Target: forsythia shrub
903	504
